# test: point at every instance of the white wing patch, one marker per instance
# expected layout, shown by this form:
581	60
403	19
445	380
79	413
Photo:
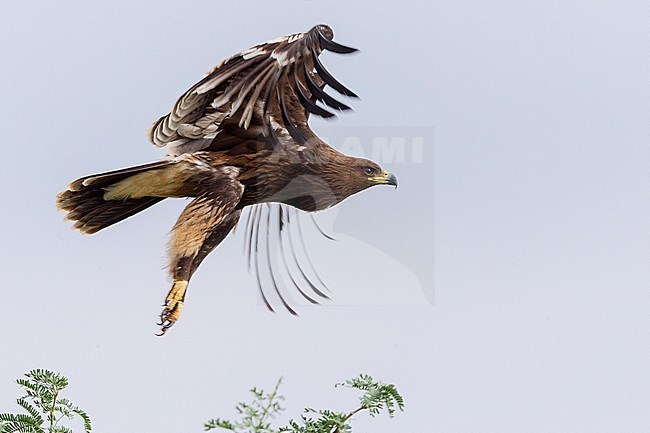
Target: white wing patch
281	57
295	37
253	52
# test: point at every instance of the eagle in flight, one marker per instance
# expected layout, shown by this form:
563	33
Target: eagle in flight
238	138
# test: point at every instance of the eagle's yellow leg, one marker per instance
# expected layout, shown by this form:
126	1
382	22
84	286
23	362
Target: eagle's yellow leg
202	225
173	305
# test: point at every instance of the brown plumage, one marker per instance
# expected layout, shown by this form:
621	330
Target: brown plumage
238	138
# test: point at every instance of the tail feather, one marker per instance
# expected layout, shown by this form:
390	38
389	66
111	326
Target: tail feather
110	177
85	204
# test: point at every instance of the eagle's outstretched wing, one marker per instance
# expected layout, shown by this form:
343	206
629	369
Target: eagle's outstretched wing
256	92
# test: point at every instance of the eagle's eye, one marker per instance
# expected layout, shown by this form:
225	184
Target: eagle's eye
369	170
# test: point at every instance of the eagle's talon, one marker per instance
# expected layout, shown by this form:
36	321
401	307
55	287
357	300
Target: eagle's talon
173	306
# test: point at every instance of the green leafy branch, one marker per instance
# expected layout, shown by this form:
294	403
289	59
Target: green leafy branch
45	407
46	410
255	416
376	398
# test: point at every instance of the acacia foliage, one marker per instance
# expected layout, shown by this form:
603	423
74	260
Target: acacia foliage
46	411
256	416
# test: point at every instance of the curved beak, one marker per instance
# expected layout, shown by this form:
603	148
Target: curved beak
392	179
386	178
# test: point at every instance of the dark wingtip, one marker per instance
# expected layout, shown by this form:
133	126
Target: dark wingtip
320	95
331	102
308	104
329	45
328	78
313	108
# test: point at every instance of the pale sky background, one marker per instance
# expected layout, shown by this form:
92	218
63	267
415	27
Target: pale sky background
527	309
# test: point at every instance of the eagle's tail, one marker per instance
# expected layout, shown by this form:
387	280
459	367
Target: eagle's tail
89	203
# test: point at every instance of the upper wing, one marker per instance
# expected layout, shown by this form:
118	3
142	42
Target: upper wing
269	86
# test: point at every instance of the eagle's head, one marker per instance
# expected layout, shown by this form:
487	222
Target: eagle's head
354	175
314	187
365	173
370	173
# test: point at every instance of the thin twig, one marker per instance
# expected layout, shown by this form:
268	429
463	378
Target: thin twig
266	410
350	415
